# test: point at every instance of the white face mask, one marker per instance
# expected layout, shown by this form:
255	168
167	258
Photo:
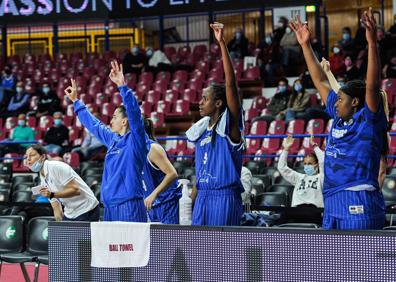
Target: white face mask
36	167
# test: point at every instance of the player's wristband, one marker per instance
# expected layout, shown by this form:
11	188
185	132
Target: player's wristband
52	195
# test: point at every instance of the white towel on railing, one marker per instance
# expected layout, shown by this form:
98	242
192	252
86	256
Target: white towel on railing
120	244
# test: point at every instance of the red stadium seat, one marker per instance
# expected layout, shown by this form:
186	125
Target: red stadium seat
180	75
116	100
142	89
146	107
258	127
146	78
160	86
158	119
163	107
130	79
259	103
101	98
169	51
190	95
164	76
252	73
45	122
180	108
250	114
171	96
108	109
32	121
252	145
177	85
153	97
74	132
203	66
389	86
73	159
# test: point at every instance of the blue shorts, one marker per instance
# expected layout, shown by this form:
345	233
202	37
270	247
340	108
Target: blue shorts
131	210
167	213
218	207
354	210
92	215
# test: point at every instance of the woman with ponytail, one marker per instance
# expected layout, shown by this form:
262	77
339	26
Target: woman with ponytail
218	148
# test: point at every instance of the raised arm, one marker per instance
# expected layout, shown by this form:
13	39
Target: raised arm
330	76
158	157
95	126
287	173
232	95
131	103
319	78
374	66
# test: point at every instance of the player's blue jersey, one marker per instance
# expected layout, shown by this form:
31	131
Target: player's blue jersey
353	149
217	166
152	177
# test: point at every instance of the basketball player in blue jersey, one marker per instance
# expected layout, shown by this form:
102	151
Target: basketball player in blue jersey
352	197
161	188
122	190
218	148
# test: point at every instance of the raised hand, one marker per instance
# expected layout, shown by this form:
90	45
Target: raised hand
301	30
71	91
325	64
218	29
288	142
312	142
116	74
370	24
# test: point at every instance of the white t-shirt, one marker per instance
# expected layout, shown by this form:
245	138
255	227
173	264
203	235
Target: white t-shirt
57	175
246	179
307	188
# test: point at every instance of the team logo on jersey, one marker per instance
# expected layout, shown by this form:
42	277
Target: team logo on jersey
205	141
338	133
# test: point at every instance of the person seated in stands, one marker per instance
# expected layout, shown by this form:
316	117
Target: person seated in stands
157	61
91	145
7	84
135	61
308	185
280	29
48	102
389	70
347	43
351	71
269	58
337	61
385	44
19	102
21	132
57	136
298	102
278	102
239	45
290	47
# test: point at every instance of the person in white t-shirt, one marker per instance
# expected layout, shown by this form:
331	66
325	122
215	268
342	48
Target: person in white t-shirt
62	186
307	186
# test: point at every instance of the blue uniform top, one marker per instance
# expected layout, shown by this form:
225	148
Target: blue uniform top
217	166
126	155
353	150
152	177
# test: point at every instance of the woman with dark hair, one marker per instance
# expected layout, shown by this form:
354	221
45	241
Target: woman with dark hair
161	188
122	190
357	140
218	149
62	186
298	102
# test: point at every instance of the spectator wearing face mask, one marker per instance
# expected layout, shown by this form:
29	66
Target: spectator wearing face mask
278	103
48	102
21	132
308	186
135	61
351	71
347	43
269	58
7	84
290	47
239	45
57	136
337	60
19	102
298	102
157	60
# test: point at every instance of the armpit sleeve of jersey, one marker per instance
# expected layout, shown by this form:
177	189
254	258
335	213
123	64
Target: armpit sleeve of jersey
95	126
330	104
379	118
287	173
320	155
223	128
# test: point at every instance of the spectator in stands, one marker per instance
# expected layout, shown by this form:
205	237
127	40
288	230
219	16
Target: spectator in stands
280	29
157	61
308	186
360	38
63	187
57	136
122	190
290	47
48	102
218	150
347	42
162	189
352	198
135	61
389	70
278	103
239	45
246	179
19	102
7	85
351	71
91	145
21	132
337	61
269	58
385	45
298	102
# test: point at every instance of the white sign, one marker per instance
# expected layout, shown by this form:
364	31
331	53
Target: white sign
290	13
